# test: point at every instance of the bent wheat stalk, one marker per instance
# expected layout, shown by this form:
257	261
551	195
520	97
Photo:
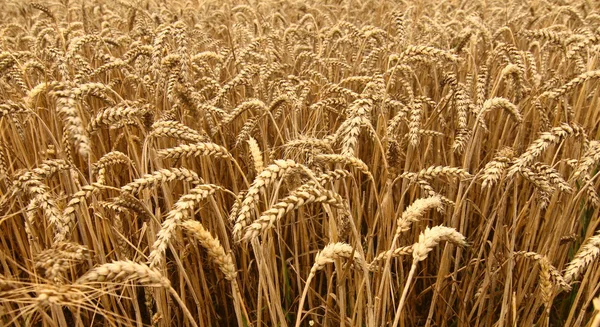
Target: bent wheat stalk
588	252
268	176
176	216
329	254
308	193
428	239
158	177
126	270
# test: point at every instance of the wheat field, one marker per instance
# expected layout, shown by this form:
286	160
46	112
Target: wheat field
299	163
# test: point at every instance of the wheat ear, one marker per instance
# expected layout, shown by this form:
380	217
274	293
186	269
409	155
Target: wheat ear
549	275
158	177
346	160
588	252
60	257
385	255
119	271
176	130
415	211
498	103
117	116
109	159
435	171
213	247
494	169
572	84
178	214
588	159
223	260
556	135
194	150
66	106
256	153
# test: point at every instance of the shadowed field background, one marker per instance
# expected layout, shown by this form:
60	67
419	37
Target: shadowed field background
299	163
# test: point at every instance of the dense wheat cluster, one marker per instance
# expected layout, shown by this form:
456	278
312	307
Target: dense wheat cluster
299	163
